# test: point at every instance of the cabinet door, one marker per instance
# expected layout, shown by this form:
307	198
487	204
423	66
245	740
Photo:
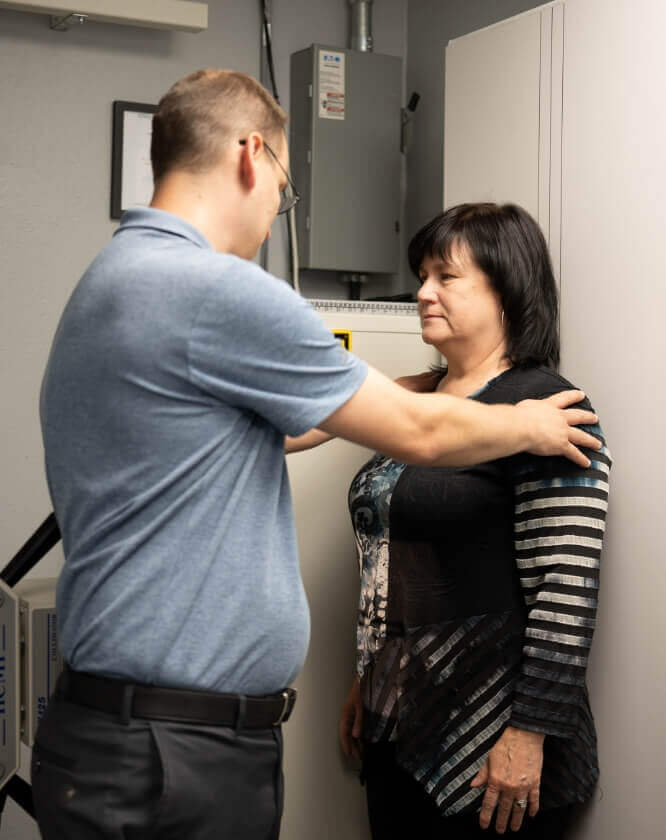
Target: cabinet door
503	117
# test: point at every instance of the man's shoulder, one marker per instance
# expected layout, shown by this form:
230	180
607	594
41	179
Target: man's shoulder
176	261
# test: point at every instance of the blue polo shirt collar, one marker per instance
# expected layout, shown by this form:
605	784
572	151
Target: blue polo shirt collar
160	220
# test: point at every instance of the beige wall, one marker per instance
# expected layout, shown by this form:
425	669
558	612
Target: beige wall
614	344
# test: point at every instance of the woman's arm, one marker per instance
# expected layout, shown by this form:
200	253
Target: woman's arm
559	524
309	440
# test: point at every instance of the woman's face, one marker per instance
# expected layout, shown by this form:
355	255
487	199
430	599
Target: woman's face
458	307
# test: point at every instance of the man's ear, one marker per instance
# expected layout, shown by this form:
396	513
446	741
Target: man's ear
250	152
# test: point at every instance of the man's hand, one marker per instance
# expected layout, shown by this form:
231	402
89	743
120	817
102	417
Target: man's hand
511	774
351	722
555	430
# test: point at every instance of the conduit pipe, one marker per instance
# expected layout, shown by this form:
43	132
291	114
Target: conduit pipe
361	25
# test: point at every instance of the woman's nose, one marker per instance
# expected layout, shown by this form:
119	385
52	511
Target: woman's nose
426	292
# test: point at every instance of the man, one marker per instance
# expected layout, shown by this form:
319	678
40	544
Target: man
177	371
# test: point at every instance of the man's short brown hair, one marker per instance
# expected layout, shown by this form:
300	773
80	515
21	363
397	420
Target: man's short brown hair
203	112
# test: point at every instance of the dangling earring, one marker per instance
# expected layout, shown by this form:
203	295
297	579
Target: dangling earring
502	317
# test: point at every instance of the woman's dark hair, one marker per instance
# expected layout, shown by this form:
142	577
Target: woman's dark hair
507	245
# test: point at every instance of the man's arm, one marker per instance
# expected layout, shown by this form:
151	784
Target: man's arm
420	382
441	430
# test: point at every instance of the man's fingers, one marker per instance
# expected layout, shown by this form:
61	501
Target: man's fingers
580	417
576	456
580	438
566	398
533	799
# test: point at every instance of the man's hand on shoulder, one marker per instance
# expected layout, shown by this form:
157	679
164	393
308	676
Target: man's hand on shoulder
554	426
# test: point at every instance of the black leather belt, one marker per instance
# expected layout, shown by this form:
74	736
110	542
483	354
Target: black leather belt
128	700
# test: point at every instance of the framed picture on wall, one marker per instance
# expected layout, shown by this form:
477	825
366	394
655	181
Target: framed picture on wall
131	173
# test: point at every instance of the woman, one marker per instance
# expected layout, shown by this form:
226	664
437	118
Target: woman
479	585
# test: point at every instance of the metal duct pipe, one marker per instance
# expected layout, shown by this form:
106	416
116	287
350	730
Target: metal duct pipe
361	25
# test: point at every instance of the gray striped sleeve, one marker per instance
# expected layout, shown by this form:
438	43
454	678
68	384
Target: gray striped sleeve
560	514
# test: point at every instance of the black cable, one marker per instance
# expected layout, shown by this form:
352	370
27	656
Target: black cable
42	541
271	70
269	52
21	792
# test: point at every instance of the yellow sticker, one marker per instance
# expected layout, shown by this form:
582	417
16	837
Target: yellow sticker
344	337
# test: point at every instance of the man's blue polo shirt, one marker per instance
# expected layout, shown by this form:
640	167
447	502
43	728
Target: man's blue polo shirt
174	375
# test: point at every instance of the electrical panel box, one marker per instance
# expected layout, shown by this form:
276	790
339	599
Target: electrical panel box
41	662
10	695
346	159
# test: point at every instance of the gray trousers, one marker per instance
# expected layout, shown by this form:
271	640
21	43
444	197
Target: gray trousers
95	777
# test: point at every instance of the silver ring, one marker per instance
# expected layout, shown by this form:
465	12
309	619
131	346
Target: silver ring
520	803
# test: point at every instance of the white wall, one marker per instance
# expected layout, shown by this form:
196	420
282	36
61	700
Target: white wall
56	91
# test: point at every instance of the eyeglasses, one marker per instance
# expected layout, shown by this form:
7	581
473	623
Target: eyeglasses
289	197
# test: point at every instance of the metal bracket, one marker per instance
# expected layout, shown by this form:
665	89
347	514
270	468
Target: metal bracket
61	24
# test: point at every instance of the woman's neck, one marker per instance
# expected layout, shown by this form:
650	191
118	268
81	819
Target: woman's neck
466	374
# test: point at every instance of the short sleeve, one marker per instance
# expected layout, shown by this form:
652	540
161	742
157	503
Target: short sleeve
259	346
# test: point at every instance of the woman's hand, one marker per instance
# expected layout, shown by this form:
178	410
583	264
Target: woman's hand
421	383
511	774
351	722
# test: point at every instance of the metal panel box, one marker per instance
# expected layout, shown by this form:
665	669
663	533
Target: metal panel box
10	695
41	659
345	158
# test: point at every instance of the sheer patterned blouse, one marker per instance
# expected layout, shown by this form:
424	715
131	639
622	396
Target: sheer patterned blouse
478	600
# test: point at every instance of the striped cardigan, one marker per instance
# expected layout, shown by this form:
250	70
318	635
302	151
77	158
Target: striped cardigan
478	599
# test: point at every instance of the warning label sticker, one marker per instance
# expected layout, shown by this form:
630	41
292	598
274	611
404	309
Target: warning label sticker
331	85
344	337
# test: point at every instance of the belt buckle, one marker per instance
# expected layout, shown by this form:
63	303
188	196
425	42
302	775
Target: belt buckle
287	694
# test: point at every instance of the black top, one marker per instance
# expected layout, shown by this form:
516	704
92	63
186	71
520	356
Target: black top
478	601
